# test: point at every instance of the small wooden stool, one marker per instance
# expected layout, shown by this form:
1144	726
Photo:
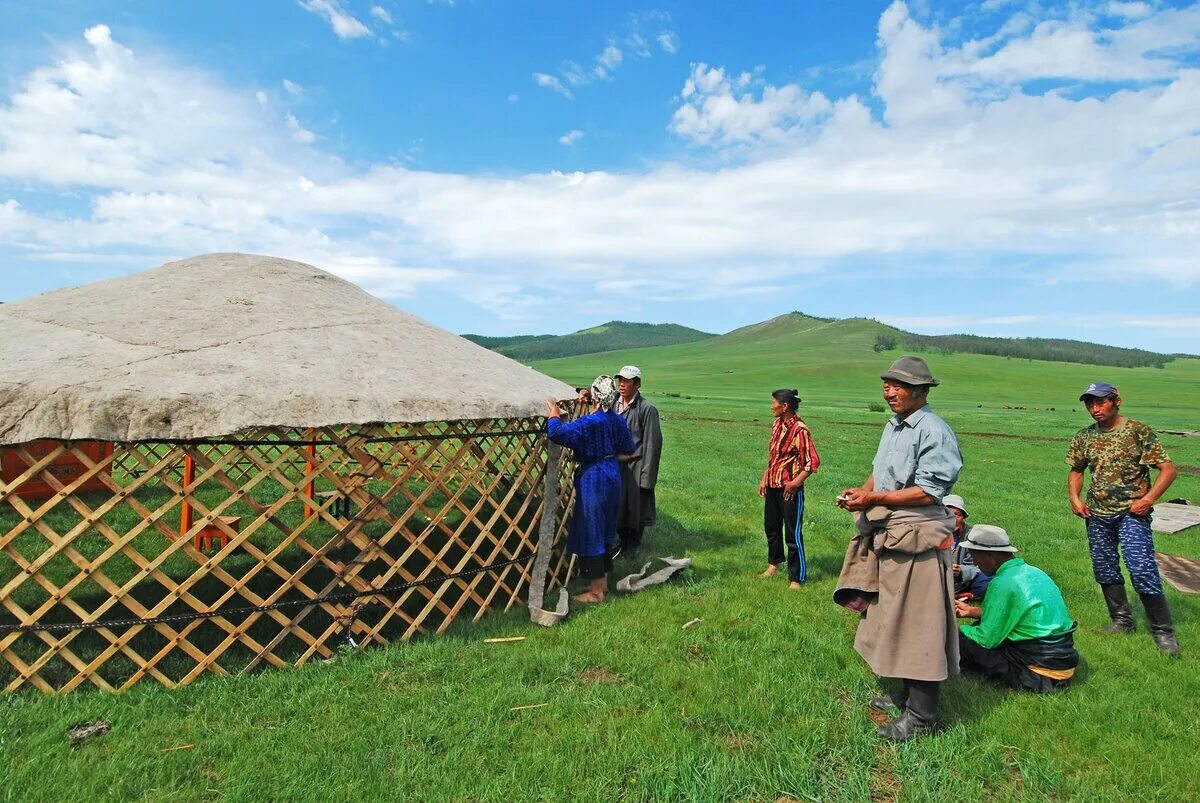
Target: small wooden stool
203	541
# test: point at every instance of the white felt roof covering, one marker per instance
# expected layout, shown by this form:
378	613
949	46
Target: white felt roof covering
213	345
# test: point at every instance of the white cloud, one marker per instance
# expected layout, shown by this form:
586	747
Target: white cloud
574	74
380	13
344	24
170	161
514	97
645	27
1184	322
721	110
292	88
1130	10
262	98
550	82
606	62
299	132
571	137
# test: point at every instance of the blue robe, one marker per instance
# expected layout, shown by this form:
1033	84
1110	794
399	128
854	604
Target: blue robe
596	439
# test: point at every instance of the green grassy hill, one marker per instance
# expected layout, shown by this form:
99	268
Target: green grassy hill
835	364
620	335
606	337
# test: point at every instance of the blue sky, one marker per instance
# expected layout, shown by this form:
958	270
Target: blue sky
1002	167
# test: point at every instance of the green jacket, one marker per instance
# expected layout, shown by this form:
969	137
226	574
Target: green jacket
1022	603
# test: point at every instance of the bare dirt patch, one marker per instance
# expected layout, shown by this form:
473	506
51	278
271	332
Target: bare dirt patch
878	717
598	674
1193	470
705	418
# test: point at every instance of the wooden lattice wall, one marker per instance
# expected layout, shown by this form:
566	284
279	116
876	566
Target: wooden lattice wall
234	548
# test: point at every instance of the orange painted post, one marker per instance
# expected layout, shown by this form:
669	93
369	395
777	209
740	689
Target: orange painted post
311	488
185	510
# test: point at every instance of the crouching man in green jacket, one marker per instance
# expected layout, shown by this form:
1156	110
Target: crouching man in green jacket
1024	635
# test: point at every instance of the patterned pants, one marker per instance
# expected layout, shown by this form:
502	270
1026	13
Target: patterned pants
1132	533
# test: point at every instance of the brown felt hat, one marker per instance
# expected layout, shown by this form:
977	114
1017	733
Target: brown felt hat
910	371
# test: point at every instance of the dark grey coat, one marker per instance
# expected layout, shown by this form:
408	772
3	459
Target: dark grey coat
640	475
642	417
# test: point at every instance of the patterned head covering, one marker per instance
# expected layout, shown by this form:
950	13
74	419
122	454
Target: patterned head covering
604	391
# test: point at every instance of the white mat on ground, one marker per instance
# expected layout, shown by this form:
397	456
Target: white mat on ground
640	580
1171	518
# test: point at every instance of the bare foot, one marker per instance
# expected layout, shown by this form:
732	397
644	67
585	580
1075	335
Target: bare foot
588	596
794	586
770	570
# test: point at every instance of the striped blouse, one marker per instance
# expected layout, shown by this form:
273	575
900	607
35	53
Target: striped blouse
789	451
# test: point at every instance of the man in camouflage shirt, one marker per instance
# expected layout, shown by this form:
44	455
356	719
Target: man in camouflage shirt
1120	453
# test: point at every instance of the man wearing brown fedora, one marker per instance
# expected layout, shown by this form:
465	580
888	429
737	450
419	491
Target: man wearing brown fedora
908	630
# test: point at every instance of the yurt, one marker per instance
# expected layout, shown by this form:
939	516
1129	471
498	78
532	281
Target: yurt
236	461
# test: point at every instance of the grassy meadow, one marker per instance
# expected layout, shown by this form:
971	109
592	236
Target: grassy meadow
764	699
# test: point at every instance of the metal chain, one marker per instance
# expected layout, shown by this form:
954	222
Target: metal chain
343	596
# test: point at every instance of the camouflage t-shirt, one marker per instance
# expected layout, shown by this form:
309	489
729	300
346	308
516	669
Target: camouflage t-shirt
1120	461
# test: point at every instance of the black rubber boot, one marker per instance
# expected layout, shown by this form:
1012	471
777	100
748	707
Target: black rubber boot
1158	617
920	713
893	703
1118	609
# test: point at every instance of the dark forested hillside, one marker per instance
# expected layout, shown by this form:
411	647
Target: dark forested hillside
1036	348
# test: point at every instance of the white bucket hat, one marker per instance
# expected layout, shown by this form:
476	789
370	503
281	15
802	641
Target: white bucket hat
954	500
988	538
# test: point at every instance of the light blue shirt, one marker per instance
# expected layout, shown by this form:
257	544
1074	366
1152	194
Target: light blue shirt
920	450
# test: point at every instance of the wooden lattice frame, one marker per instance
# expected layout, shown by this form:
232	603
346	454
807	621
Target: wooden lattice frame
429	500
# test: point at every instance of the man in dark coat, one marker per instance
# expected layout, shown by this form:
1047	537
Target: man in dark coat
640	475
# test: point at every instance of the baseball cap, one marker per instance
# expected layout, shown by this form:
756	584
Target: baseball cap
1101	390
630	372
988	538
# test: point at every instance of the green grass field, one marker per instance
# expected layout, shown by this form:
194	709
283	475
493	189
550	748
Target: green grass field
764	699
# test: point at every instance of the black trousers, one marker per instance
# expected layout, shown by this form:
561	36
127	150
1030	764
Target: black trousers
631	534
593	567
779	521
1002	664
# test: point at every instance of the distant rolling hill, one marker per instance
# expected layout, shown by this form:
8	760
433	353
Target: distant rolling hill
610	336
621	335
887	338
837	363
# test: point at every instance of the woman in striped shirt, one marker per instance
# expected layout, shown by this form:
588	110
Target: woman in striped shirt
791	458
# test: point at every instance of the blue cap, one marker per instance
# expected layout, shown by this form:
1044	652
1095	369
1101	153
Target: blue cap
1101	390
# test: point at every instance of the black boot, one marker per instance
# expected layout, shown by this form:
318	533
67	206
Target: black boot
920	713
893	704
1158	617
1118	608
